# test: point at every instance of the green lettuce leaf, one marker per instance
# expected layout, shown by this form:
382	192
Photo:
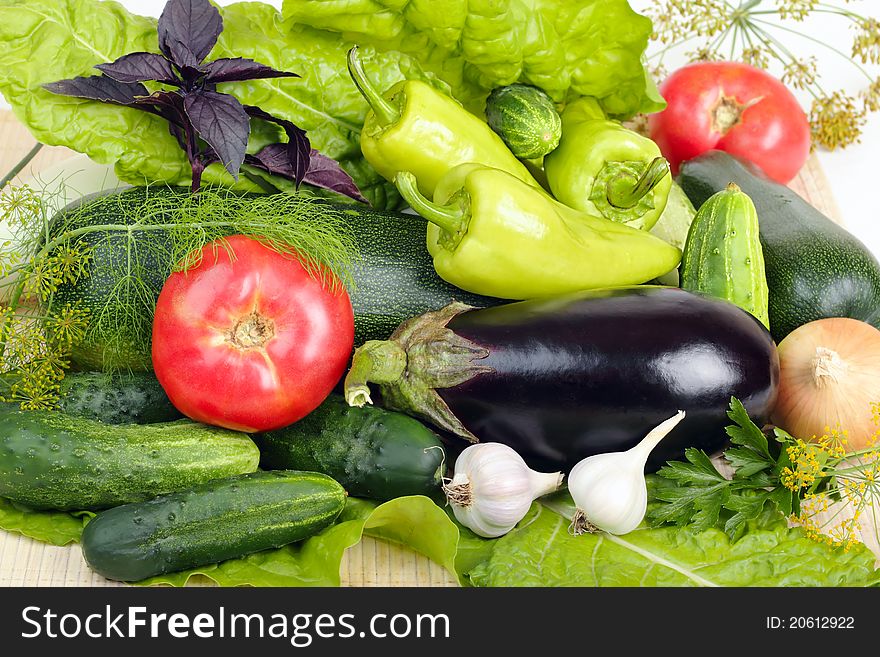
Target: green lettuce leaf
55	527
47	40
542	552
569	48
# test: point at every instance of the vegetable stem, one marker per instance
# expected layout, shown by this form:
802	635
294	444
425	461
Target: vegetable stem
624	192
385	112
22	163
450	218
377	361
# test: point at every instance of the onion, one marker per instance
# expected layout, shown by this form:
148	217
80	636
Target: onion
829	377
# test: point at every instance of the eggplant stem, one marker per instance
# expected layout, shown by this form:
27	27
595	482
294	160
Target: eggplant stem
377	361
623	192
385	112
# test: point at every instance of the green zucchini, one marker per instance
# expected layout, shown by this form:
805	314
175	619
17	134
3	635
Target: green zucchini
374	453
815	268
722	255
215	521
50	460
394	278
526	120
121	398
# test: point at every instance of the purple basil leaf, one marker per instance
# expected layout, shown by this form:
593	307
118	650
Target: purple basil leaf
188	29
191	75
227	69
326	173
298	145
99	87
139	67
222	122
168	105
323	171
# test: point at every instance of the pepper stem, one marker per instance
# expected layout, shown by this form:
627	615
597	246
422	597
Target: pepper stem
624	191
450	218
385	112
377	361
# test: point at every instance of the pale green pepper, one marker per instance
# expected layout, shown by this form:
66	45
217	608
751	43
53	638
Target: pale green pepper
605	169
493	234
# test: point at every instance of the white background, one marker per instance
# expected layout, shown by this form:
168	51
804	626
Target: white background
854	173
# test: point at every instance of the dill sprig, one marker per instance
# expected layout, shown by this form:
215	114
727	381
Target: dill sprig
127	244
739	29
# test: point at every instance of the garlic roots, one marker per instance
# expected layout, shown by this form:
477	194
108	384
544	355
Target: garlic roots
609	489
492	488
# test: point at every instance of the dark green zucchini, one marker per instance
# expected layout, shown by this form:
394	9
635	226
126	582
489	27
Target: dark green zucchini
815	268
50	460
394	278
209	523
374	453
121	398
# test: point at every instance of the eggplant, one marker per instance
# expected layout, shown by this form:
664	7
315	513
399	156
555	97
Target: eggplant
562	379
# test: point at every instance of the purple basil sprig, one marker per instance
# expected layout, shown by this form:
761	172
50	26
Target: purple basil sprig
210	126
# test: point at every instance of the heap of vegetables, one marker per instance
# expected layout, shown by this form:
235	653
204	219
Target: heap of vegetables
521	308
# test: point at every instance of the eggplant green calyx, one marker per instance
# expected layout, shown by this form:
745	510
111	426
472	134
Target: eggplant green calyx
452	219
385	111
421	356
622	190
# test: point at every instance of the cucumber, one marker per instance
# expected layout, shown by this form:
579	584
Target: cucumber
50	460
815	268
526	120
372	452
394	278
130	398
722	255
209	523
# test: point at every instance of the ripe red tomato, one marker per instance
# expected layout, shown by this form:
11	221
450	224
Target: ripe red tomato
736	108
251	342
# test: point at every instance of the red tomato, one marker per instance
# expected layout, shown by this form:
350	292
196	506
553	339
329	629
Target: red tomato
736	108
251	342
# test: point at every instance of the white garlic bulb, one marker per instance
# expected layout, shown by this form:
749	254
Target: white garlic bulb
609	489
493	488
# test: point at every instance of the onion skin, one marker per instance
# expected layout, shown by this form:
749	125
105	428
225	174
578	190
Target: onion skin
829	377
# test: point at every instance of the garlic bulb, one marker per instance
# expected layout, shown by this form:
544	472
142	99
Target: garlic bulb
493	488
609	489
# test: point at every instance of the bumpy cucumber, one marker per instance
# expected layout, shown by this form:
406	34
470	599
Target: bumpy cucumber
525	118
50	460
123	398
374	453
219	520
722	255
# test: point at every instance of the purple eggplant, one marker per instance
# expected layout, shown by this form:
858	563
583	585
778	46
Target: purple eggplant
562	379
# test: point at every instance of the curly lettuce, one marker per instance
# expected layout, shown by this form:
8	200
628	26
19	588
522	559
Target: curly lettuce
569	48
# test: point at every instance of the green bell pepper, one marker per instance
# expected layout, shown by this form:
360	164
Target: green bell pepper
492	234
604	169
416	128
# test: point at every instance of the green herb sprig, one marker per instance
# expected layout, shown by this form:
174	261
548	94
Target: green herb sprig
799	479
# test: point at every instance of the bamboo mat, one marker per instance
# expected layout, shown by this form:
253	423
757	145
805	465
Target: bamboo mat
24	562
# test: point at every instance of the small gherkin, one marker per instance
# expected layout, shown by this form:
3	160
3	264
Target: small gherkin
723	256
526	120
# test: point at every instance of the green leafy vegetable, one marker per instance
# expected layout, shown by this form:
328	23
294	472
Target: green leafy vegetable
568	48
55	527
542	552
701	494
48	40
